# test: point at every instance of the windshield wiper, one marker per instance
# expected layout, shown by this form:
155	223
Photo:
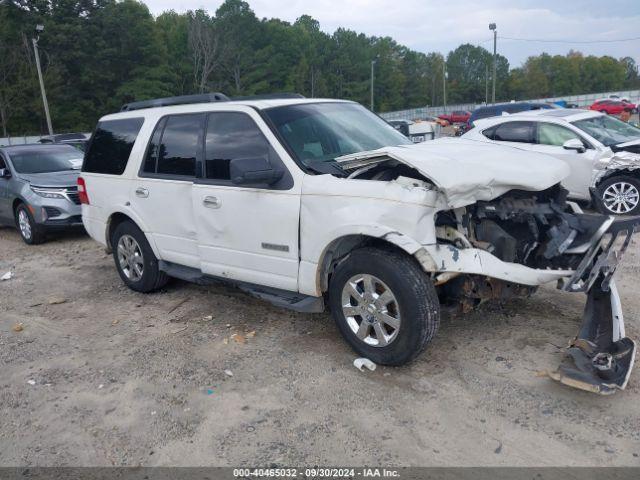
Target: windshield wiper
329	166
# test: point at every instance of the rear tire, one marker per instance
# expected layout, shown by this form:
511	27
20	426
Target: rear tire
30	231
399	292
619	195
135	261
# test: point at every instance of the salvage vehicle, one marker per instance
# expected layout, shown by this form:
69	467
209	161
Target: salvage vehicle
417	131
602	152
457	116
612	107
38	189
312	203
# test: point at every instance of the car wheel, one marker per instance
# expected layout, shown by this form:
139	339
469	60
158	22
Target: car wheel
620	195
29	230
136	263
384	305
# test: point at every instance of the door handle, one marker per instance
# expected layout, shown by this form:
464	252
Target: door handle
211	202
142	192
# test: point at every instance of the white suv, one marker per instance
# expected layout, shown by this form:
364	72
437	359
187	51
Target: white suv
314	203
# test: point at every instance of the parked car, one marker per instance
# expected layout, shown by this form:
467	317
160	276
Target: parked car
602	152
439	121
612	107
38	189
417	131
312	203
457	116
78	140
498	109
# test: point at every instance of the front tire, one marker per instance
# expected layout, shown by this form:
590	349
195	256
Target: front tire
30	231
135	261
384	305
620	195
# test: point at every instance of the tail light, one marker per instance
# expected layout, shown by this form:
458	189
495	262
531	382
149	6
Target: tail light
82	191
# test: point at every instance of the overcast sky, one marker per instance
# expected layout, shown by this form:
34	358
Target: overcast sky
428	25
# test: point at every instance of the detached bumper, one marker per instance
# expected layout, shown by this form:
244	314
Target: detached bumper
601	357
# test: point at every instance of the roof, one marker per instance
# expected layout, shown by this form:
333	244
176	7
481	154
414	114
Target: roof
560	114
259	103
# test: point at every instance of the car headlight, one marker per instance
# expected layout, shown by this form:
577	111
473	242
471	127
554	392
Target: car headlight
48	192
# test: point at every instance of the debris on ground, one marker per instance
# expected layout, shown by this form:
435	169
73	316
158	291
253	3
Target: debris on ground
239	338
18	327
57	300
7	276
364	362
208	317
31	382
178	330
228	373
115	322
251	334
210	391
178	304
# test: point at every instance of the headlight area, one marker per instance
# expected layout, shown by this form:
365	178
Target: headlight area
56	193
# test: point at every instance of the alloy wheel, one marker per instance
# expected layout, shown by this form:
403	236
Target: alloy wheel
371	310
620	197
130	258
24	224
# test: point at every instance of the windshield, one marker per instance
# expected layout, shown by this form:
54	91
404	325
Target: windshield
608	130
46	159
320	132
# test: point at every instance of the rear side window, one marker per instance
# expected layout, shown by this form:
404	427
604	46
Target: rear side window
174	146
521	132
231	135
111	146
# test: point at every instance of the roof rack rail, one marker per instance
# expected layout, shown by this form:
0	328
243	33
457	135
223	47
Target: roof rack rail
180	100
269	96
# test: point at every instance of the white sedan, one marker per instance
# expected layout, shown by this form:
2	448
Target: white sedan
602	152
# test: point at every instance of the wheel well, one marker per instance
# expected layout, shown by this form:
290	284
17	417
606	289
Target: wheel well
115	220
620	173
16	202
340	248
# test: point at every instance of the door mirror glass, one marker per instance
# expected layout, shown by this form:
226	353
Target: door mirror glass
5	173
253	171
574	144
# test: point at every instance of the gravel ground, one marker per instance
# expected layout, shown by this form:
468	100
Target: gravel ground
103	376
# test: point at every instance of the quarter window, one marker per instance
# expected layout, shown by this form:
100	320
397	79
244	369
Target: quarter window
111	146
520	132
231	135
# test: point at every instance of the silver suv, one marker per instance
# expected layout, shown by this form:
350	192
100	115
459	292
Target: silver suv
38	189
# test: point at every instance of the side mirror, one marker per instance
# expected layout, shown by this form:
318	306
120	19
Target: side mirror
5	173
253	171
574	144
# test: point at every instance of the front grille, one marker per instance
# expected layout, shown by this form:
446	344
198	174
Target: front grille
52	212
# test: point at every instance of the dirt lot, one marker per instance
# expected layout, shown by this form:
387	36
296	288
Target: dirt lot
111	377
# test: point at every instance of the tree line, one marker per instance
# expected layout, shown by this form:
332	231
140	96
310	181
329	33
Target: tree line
99	54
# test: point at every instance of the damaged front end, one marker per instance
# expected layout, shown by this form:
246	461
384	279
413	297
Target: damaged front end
544	231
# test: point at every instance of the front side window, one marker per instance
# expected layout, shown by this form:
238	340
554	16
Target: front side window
229	136
556	135
321	132
520	132
46	159
111	145
608	130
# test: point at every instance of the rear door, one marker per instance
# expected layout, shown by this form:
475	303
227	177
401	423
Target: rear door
161	195
249	232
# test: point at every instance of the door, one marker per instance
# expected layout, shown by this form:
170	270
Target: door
246	233
6	214
162	193
549	139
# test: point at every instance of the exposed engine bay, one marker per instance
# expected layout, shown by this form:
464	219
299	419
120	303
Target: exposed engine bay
540	230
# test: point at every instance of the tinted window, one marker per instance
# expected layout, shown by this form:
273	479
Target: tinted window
2	164
179	145
46	159
231	135
151	158
111	146
514	132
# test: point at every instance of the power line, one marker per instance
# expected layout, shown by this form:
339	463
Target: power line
569	41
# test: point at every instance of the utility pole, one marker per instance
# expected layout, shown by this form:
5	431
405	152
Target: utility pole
486	84
444	85
34	40
492	26
373	63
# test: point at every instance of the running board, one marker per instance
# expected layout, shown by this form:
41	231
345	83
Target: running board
280	298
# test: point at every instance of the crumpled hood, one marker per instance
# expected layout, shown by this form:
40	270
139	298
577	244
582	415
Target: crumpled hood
67	178
467	171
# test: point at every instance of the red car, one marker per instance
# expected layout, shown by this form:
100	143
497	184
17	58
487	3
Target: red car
457	116
612	107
